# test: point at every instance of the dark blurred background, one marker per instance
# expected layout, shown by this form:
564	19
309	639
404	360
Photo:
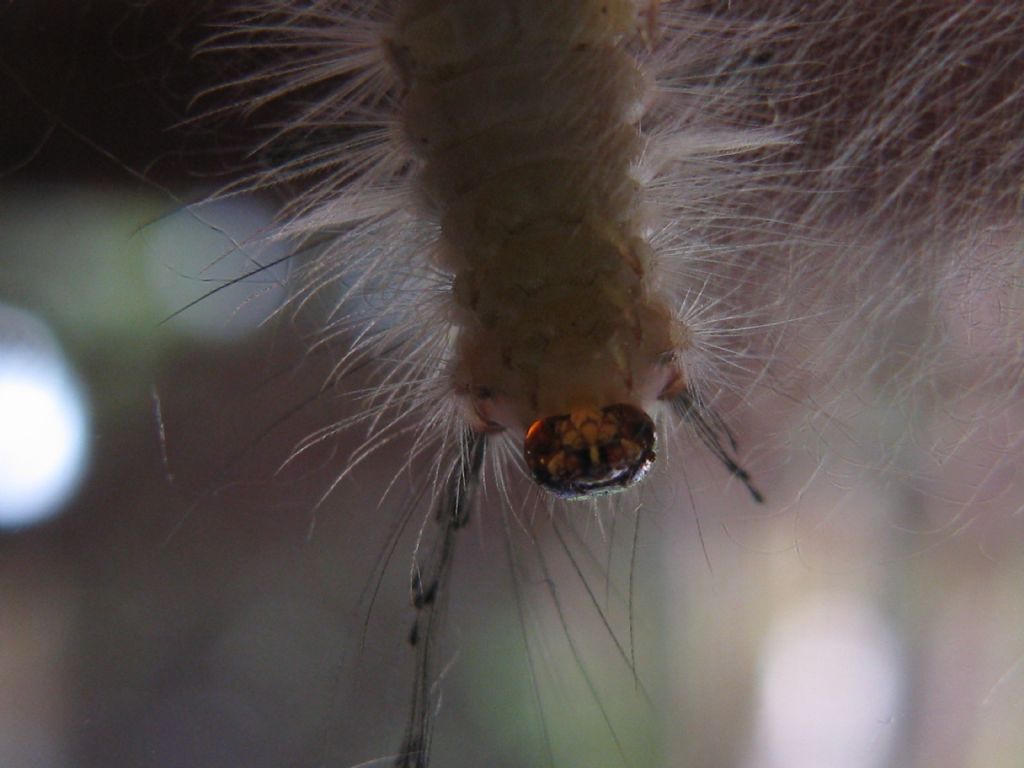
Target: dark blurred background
165	605
178	595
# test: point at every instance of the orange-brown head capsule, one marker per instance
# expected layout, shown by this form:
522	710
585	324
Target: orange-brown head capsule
589	451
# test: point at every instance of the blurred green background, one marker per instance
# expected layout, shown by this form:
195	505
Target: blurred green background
191	604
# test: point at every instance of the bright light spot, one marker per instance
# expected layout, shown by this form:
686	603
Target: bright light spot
829	688
42	423
215	254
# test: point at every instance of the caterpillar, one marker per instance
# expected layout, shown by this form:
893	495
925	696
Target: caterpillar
493	201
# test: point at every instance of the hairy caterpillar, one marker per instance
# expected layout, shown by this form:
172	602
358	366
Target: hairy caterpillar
494	205
831	196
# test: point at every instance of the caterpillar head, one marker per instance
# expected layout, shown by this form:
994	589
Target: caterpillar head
590	451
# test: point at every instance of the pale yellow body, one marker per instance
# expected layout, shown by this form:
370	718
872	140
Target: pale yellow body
526	115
